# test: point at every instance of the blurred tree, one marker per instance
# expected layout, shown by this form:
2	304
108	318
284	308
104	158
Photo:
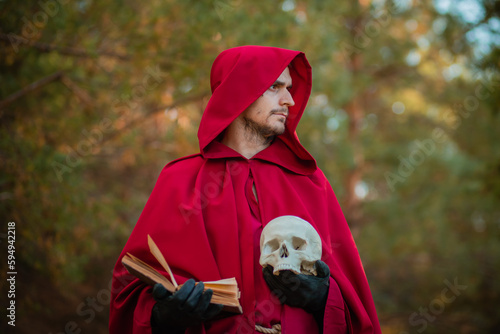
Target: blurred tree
96	97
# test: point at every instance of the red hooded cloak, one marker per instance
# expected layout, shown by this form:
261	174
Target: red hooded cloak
202	219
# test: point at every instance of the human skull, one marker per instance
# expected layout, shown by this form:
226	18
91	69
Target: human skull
290	243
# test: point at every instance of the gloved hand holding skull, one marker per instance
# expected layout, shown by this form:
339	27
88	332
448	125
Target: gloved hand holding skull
290	254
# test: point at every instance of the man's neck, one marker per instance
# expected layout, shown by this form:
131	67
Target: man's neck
243	141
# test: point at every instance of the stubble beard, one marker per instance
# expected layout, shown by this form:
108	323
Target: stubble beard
256	131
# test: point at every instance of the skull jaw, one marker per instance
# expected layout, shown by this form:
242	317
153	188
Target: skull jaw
305	268
286	266
308	268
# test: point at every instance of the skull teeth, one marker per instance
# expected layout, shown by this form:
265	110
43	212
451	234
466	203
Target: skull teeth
285	266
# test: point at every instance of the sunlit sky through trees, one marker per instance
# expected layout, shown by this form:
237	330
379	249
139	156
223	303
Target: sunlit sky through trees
403	120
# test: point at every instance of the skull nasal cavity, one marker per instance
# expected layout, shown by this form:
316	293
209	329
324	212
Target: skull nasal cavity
284	251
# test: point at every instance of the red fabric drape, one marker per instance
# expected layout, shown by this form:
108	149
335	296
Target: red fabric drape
199	216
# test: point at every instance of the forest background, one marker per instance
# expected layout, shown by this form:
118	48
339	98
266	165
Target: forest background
97	96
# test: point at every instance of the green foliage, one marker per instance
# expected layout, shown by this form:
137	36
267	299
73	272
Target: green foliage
125	86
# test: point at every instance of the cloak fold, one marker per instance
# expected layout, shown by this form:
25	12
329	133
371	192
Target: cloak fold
199	216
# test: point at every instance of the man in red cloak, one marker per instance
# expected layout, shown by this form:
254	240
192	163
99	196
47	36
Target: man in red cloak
207	211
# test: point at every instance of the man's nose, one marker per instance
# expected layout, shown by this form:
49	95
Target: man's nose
287	99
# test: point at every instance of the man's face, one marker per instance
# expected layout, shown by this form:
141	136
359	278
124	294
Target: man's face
267	115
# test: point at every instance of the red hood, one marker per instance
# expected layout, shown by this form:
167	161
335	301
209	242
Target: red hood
240	76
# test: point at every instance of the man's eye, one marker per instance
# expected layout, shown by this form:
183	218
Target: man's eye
273	87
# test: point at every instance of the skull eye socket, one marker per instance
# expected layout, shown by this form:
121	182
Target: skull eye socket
299	243
271	246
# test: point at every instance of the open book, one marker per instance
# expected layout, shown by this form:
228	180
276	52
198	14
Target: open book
226	291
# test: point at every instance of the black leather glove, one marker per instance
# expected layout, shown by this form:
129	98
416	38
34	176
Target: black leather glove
187	307
304	291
